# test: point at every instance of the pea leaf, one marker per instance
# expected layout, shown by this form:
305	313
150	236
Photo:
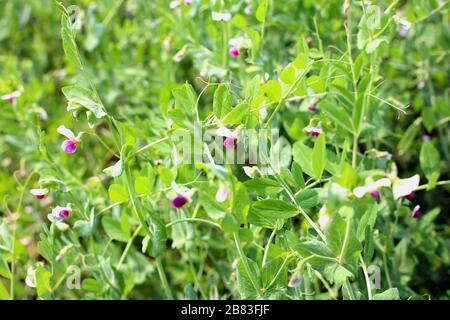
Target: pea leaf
117	193
319	156
81	97
430	163
236	115
222	101
274	209
113	229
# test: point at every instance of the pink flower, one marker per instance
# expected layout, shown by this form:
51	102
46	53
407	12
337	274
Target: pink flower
39	193
70	145
372	188
60	213
179	201
231	137
234	52
11	96
222	194
314	131
183	196
415	213
188	2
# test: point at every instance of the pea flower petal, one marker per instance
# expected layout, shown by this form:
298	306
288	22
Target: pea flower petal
404	187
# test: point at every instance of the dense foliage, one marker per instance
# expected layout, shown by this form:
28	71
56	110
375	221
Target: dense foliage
96	205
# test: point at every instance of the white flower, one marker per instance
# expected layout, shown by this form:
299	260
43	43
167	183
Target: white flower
30	280
183	191
359	192
324	218
222	194
60	213
403	187
221	16
11	96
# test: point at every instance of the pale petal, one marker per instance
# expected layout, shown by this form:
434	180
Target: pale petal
403	187
11	95
66	132
221	16
359	192
384	182
225	132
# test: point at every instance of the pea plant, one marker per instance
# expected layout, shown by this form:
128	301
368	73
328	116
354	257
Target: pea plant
224	149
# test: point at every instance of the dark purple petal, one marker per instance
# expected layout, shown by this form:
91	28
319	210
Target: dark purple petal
315	133
415	213
64	213
410	196
312	108
376	195
69	146
234	52
178	202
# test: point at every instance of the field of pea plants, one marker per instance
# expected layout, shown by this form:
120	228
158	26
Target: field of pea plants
225	149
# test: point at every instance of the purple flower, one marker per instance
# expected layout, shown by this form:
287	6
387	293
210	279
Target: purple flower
376	195
60	213
372	188
222	194
234	52
312	108
69	145
183	196
39	193
415	213
231	137
11	97
179	202
314	131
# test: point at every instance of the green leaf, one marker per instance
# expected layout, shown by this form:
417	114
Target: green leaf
79	96
308	198
143	185
408	137
367	221
113	229
43	278
342	241
68	40
117	193
272	89
263	186
92	285
374	44
301	61
222	103
261	11
319	156
316	83
430	163
4	294
115	170
236	115
338	114
389	294
185	98
297	174
214	209
245	281
288	74
274	209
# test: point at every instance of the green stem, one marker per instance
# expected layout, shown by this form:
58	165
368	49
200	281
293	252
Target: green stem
127	248
245	262
193	220
266	250
162	276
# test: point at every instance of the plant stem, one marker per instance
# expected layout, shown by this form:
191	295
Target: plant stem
193	220
162	276
127	248
266	250
366	277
